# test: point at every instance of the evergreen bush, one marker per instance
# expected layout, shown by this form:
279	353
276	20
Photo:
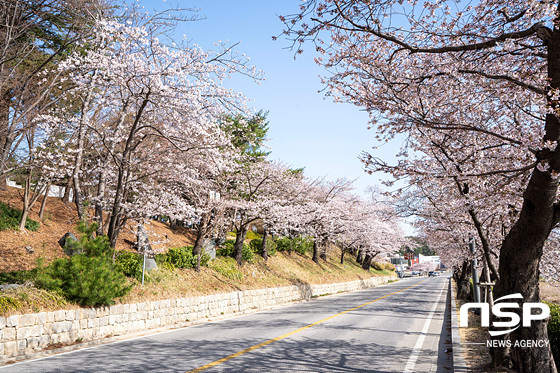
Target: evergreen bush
271	245
378	266
302	244
181	257
247	254
89	278
283	244
227	250
18	277
299	244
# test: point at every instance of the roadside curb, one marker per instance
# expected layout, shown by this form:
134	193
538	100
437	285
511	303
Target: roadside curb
459	363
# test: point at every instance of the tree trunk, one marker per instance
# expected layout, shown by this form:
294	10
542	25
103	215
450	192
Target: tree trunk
315	252
66	196
29	199
522	248
367	262
122	180
485	244
6	140
102	186
323	254
462	279
44	202
360	256
342	252
200	236
239	240
80	150
264	247
520	256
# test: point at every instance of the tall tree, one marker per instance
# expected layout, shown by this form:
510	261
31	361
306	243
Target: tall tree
35	35
428	65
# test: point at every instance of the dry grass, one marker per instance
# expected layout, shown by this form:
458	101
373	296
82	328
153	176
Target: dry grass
550	293
280	270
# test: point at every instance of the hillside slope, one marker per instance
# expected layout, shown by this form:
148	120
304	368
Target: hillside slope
59	219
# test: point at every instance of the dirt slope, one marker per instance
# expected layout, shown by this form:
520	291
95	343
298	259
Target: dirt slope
60	218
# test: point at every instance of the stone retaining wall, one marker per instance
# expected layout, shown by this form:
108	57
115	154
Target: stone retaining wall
29	333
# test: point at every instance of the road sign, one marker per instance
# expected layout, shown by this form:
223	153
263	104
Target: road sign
409	256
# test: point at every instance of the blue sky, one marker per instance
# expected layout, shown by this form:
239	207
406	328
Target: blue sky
306	129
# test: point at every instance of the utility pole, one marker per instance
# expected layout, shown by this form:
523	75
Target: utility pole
476	288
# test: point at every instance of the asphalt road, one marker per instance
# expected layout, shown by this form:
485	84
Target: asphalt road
397	327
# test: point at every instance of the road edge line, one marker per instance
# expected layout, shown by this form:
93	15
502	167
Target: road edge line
411	362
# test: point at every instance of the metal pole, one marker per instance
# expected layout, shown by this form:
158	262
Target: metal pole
488	287
143	267
475	280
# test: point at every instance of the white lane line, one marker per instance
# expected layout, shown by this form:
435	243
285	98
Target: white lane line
411	363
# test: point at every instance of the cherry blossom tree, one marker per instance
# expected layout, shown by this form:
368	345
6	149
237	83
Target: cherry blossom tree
146	104
252	193
431	65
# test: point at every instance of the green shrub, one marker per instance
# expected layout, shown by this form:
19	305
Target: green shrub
86	280
247	254
252	235
256	245
227	267
299	244
182	257
554	331
88	243
389	266
18	277
283	244
10	217
378	266
129	264
89	278
226	249
204	259
302	244
271	245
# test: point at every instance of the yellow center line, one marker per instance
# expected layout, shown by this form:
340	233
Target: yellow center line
239	353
